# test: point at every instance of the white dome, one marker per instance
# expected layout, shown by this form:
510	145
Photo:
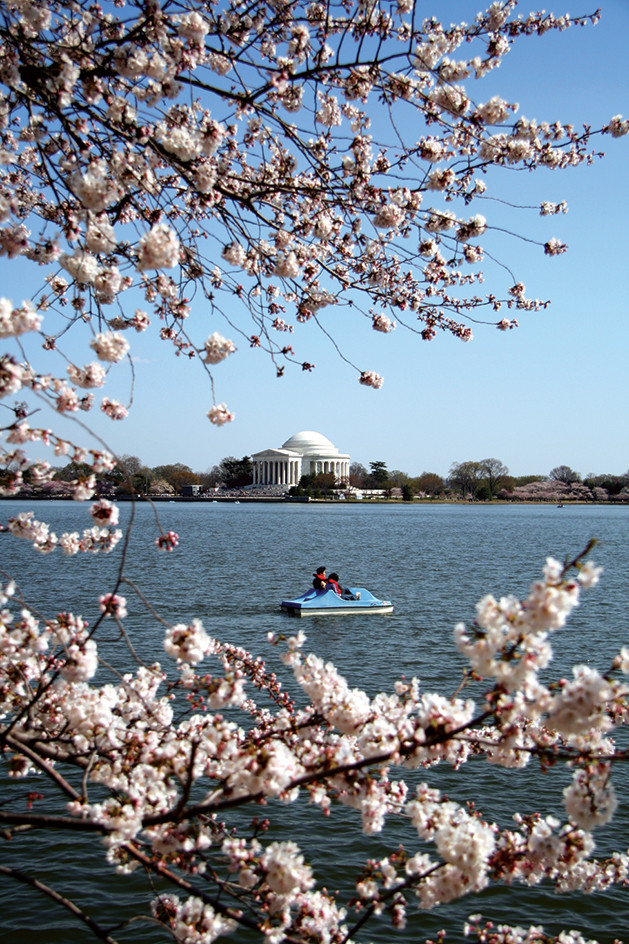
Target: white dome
309	443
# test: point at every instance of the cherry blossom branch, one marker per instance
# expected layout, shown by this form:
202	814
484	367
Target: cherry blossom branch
48	821
46	768
163	872
96	929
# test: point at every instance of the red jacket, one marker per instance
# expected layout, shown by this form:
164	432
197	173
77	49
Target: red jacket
334	585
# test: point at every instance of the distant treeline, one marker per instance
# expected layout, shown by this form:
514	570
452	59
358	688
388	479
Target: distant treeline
131	476
489	479
482	480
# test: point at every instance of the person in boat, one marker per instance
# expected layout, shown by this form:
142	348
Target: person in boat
345	594
319	582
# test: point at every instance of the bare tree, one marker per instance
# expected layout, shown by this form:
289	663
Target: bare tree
563	473
211	477
398	478
130	464
358	475
496	473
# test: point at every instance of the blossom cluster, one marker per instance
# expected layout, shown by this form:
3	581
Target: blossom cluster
168	541
16	462
16	321
217	348
149	150
219	415
221	191
38	533
340	747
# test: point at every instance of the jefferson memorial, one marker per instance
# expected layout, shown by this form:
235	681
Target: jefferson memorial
304	453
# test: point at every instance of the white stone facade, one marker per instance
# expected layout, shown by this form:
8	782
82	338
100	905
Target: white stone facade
304	453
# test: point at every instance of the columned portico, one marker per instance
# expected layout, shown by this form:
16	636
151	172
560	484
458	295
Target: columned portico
276	467
304	453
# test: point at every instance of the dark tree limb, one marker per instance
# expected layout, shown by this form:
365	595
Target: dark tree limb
18	876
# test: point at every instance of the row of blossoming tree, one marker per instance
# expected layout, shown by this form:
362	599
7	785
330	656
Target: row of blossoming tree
219	155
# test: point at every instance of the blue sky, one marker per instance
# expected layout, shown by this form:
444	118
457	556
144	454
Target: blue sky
552	392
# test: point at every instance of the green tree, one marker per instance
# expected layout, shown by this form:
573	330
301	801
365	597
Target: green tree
139	483
613	484
236	473
378	474
130	476
321	482
73	470
466	477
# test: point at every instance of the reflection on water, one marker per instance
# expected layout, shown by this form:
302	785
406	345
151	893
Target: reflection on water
233	566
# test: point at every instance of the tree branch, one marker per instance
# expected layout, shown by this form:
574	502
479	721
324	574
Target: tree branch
18	876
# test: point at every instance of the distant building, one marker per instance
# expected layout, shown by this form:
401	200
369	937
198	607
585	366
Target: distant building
303	454
191	490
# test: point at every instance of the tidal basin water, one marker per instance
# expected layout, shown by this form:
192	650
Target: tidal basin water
234	564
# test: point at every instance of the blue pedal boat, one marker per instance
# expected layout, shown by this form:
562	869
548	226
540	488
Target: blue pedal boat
328	603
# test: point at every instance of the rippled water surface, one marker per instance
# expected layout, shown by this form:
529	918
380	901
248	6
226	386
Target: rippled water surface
233	566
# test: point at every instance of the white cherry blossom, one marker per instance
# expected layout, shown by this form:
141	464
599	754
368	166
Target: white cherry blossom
237	147
109	346
217	348
159	248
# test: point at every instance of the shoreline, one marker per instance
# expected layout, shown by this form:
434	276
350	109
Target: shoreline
281	500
